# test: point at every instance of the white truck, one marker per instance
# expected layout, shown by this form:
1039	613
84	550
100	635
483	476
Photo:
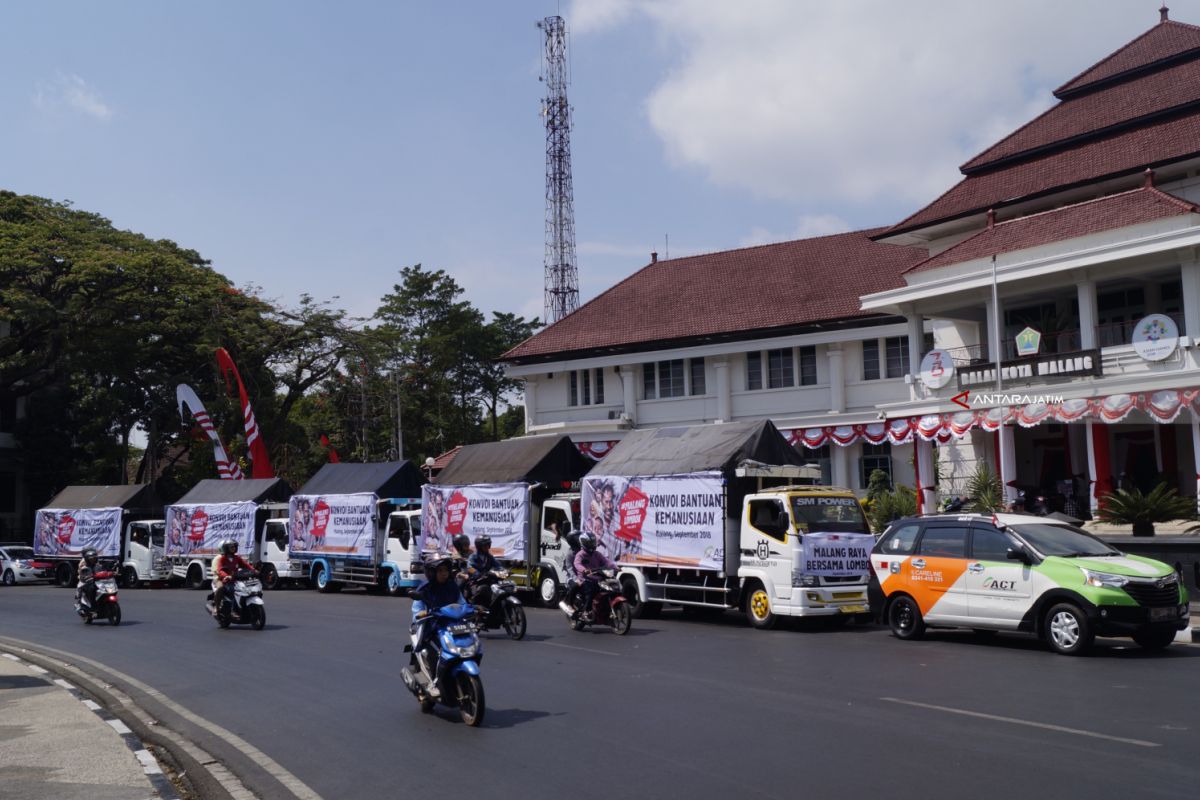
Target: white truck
215	510
695	517
515	492
357	525
123	523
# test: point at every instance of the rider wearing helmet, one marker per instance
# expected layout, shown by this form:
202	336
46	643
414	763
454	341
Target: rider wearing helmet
588	561
225	567
87	579
437	591
482	563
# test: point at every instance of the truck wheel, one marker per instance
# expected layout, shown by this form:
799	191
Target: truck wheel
129	578
195	577
64	575
324	584
270	577
904	618
637	608
758	608
393	584
1067	630
547	589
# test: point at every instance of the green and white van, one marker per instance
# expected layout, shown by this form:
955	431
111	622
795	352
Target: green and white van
1015	572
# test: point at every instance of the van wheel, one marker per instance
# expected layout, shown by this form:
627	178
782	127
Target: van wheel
195	577
270	577
758	608
129	578
1154	640
1067	630
904	618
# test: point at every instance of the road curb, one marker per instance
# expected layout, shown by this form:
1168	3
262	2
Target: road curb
150	766
202	775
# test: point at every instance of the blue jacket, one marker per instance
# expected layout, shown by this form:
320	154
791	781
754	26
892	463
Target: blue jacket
432	595
483	562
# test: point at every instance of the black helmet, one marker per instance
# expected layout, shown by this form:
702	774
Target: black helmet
462	543
483	543
587	540
433	561
229	547
90	556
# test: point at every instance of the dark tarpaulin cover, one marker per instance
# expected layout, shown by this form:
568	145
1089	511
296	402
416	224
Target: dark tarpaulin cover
257	490
138	497
384	478
550	460
698	448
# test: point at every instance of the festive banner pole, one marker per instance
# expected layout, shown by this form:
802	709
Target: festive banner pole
226	468
260	461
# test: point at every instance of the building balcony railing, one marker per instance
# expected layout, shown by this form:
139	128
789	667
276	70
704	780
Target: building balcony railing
1113	334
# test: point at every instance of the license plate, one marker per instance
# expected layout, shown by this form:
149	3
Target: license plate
1163	613
853	609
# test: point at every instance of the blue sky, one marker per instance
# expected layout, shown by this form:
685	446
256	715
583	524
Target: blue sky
320	147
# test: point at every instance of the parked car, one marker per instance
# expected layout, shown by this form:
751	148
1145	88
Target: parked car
19	565
1018	572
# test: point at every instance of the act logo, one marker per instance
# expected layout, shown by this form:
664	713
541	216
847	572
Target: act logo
998	585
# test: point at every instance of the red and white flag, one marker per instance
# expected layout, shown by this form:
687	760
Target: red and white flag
260	461
227	469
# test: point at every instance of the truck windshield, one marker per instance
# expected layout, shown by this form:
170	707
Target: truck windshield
1062	540
829	514
158	534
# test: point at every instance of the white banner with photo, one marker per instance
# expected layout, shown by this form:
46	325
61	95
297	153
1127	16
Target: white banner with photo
498	510
341	525
669	521
197	529
836	555
70	531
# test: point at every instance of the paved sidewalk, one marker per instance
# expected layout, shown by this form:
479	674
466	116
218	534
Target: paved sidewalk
54	747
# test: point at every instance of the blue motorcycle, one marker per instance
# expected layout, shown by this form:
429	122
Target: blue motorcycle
444	662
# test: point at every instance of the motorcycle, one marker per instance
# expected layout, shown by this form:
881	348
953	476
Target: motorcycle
242	603
495	599
106	606
609	607
445	669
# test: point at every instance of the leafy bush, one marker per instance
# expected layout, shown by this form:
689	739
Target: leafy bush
985	490
885	504
1132	507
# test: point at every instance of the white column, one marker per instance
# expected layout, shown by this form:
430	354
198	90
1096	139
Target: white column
1196	455
629	392
1189	272
839	465
530	403
1093	502
1008	463
837	378
916	341
724	390
1086	292
925	477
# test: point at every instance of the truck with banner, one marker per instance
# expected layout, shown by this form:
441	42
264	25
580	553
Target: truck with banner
123	523
352	524
517	492
696	517
215	510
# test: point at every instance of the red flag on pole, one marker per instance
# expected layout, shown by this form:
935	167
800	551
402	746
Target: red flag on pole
260	461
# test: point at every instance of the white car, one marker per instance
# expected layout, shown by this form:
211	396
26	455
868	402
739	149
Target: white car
19	565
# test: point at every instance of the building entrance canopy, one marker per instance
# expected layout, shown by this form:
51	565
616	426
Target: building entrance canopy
1162	406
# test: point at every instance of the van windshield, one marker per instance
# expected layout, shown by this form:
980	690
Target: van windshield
1062	540
829	514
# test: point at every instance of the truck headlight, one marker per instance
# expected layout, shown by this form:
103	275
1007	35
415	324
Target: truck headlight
1103	579
800	579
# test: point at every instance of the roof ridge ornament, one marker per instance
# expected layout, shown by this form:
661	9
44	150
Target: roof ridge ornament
1163	14
1148	183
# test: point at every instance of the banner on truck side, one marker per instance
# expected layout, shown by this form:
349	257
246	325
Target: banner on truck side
70	531
198	529
668	521
341	525
499	510
836	555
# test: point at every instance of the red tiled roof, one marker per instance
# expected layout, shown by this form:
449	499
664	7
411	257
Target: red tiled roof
1087	161
1068	222
1148	94
441	462
1163	41
730	292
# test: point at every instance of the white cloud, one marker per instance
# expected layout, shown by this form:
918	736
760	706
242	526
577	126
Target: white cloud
809	226
856	100
72	93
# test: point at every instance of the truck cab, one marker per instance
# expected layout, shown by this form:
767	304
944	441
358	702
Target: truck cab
400	550
558	517
272	554
143	558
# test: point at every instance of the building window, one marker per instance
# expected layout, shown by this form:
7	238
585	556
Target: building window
781	371
649	391
598	384
875	456
670	378
587	387
753	371
897	356
696	366
573	399
871	360
821	457
808	366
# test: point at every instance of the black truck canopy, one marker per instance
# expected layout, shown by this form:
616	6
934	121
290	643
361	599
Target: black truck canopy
699	448
387	479
137	498
258	490
549	460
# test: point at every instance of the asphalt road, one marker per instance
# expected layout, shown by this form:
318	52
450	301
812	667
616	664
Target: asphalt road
678	708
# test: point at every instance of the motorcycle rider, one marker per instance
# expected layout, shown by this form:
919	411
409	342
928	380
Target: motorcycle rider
482	563
225	567
462	556
87	578
434	593
572	537
587	561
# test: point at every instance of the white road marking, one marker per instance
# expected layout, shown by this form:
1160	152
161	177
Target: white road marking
37	669
64	684
584	649
11	657
149	764
93	705
118	726
1029	723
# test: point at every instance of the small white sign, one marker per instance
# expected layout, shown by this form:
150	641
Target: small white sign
937	369
1155	337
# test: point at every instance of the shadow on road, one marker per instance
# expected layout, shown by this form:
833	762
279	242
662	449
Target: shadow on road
1122	649
510	717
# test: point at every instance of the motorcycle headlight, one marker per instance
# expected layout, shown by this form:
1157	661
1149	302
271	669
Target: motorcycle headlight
467	650
1103	579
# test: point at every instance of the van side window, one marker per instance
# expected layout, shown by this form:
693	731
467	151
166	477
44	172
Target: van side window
767	516
900	542
988	544
401	531
948	541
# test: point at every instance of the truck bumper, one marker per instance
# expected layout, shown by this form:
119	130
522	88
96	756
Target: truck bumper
826	601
